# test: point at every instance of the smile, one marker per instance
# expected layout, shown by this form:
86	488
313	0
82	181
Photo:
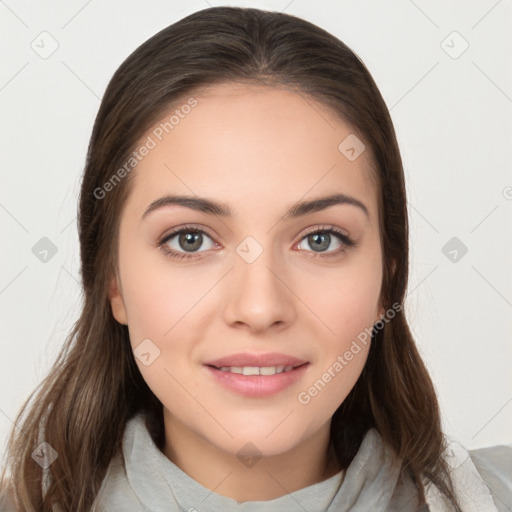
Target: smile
256	370
257	381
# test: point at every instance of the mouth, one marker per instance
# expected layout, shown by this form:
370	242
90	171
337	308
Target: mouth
266	360
257	370
257	381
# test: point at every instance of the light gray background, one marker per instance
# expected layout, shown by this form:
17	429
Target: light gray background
453	117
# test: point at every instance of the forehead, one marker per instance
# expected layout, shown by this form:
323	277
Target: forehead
248	144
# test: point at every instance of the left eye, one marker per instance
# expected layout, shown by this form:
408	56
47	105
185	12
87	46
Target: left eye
321	239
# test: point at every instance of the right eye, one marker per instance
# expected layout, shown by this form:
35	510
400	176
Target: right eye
188	237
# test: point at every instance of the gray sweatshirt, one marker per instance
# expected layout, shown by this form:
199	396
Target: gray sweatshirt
143	479
149	481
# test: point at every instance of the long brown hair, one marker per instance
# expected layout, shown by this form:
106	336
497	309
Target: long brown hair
95	387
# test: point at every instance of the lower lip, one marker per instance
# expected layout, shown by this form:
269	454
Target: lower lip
258	385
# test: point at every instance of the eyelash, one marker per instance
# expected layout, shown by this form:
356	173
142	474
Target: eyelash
344	239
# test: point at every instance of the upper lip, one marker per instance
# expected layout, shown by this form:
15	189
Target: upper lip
261	360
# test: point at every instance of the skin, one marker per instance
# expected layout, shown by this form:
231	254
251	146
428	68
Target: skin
290	299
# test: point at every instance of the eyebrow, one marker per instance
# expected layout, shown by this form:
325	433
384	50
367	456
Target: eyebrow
211	207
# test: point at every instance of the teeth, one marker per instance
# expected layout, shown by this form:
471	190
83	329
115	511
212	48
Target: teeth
256	370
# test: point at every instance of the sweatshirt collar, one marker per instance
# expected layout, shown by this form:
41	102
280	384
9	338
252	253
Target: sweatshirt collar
161	485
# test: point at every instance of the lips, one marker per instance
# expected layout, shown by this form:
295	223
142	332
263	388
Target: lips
261	360
257	386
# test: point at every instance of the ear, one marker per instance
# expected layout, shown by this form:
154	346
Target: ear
382	310
116	301
381	314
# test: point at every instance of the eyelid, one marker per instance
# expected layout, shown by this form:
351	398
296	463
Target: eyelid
191	227
324	227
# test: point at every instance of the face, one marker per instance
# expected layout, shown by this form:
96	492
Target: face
257	281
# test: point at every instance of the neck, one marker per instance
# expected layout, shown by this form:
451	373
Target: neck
266	478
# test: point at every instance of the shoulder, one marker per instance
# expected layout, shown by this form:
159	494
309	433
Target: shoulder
494	464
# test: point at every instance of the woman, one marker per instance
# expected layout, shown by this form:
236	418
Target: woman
243	232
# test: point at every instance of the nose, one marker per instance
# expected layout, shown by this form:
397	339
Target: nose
259	296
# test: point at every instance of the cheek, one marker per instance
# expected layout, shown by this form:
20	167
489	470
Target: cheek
346	300
159	306
151	309
156	294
